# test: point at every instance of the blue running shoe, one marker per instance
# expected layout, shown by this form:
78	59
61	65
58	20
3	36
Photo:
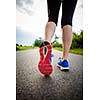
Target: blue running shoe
63	64
51	56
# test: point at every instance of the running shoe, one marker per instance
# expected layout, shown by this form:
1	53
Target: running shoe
63	64
44	65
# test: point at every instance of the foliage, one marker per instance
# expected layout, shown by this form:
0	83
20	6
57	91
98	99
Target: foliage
23	47
38	42
77	44
75	51
17	44
55	39
57	44
77	41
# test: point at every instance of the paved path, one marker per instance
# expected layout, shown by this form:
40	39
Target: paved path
61	85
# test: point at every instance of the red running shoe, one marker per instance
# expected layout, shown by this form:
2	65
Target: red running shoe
44	64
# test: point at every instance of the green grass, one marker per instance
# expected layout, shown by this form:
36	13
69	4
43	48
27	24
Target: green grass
75	51
58	48
24	47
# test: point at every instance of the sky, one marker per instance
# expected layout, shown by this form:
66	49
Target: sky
31	18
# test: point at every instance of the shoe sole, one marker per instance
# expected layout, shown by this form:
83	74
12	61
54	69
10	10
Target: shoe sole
44	64
62	68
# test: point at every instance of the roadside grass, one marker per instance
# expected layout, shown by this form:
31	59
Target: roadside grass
75	51
25	47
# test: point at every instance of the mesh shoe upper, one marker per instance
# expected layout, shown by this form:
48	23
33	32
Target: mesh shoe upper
63	63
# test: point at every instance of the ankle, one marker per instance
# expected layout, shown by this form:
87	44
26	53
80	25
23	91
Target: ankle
65	58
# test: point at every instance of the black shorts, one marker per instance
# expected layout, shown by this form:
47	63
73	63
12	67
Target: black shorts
68	7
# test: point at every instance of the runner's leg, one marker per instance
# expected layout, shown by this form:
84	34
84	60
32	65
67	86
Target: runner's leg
68	7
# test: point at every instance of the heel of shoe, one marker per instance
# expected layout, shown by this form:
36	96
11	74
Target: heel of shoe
44	65
45	68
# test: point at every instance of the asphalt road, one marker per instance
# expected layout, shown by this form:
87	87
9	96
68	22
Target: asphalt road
61	85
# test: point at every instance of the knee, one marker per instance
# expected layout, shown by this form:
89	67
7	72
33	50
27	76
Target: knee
66	21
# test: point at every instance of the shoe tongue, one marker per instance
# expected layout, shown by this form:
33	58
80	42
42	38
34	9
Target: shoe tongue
45	50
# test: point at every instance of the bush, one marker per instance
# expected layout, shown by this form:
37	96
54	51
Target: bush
38	42
21	45
57	45
17	44
17	48
77	41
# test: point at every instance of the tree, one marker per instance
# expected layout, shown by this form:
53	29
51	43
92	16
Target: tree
55	39
38	41
77	41
17	44
21	45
